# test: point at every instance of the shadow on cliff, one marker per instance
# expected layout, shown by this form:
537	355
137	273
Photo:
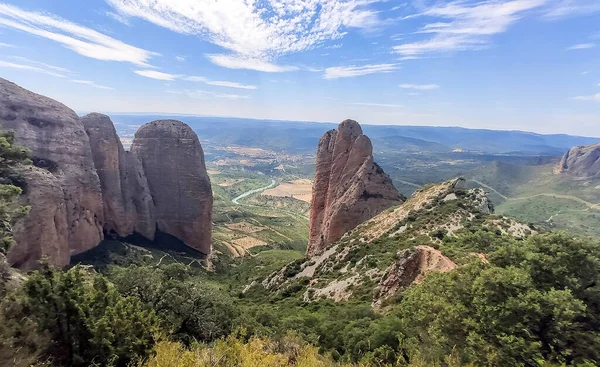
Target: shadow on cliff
138	250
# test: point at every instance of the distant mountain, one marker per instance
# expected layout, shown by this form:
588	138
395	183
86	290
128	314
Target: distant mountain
303	137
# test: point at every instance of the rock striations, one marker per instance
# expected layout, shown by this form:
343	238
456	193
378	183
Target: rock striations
582	161
84	184
349	187
173	162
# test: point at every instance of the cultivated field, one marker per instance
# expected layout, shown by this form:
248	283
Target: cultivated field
298	189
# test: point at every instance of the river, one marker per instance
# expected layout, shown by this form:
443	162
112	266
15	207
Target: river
255	191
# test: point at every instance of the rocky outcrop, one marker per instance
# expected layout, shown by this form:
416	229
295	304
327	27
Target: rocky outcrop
173	162
349	187
582	161
411	266
128	206
58	142
83	183
44	232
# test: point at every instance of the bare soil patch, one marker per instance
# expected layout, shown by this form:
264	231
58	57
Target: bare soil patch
248	242
245	227
300	189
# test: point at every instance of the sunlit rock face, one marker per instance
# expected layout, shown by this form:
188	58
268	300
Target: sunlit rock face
349	187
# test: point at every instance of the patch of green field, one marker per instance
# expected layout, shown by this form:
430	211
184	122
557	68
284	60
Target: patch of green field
554	213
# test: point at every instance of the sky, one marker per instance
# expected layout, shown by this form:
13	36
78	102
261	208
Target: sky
531	65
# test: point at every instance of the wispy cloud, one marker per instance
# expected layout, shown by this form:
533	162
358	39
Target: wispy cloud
581	46
203	94
153	74
2	44
180	58
257	32
595	97
565	8
82	40
91	83
242	62
466	26
21	66
195	78
377	104
118	17
352	71
222	83
419	86
40	64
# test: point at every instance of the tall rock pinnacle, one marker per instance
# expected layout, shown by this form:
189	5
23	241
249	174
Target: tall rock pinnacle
349	187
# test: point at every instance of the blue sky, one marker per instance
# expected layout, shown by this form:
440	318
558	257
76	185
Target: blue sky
530	65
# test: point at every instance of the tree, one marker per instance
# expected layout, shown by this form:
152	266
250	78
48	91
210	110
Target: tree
87	319
536	301
10	157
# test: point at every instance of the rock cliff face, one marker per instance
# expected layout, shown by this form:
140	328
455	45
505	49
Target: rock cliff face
128	206
83	183
349	187
58	142
173	162
44	233
582	161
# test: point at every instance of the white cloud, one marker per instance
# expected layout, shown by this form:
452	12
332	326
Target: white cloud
581	46
40	64
419	86
466	26
6	45
565	8
180	58
203	94
118	17
352	71
153	74
237	62
191	78
595	97
221	83
378	104
21	66
333	47
256	31
91	83
82	40
195	79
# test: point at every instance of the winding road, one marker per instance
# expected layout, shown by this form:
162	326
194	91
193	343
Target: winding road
255	191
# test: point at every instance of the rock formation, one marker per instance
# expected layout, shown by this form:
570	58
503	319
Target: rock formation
44	233
58	142
173	163
411	266
128	206
349	187
83	183
582	161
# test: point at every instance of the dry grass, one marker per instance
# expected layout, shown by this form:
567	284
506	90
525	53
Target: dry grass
245	227
248	242
231	181
300	189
